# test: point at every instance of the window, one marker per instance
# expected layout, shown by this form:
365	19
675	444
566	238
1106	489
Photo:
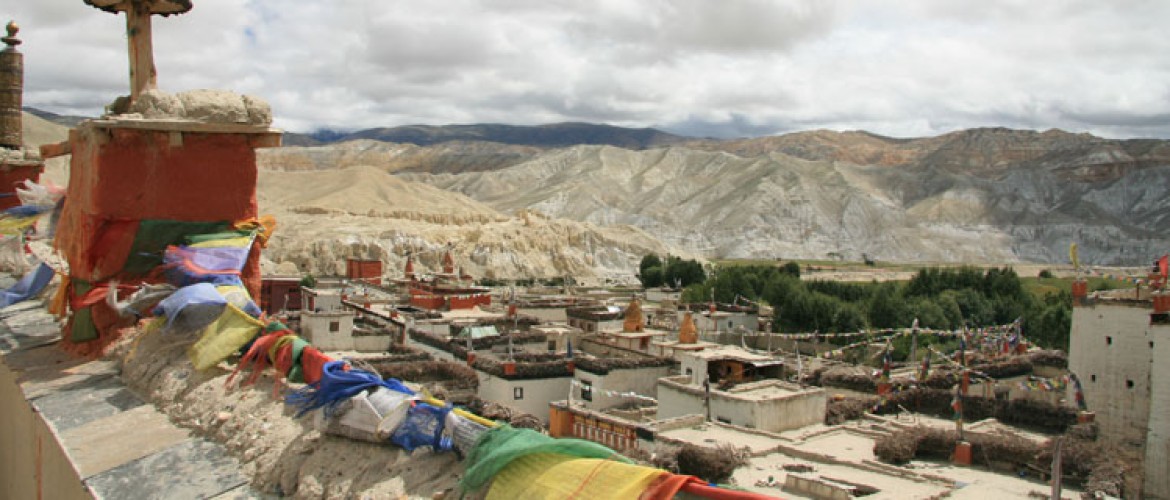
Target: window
334	326
552	346
1093	377
517	393
1108	340
587	390
729	324
1151	344
1129	384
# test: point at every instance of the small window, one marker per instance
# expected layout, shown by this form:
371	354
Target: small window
517	393
689	371
1129	384
1108	340
587	390
334	326
1093	377
552	346
1151	344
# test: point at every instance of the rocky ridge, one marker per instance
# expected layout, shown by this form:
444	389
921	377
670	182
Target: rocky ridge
980	195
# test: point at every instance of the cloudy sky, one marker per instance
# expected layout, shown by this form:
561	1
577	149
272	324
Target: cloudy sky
723	68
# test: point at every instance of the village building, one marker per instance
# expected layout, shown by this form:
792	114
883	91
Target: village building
447	290
739	388
662	294
324	321
550	309
715	318
527	370
596	318
280	294
1118	353
559	337
364	270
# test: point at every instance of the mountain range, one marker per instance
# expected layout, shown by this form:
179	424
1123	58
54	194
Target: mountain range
989	195
589	200
548	136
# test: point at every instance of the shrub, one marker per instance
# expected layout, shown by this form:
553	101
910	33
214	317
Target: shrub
711	465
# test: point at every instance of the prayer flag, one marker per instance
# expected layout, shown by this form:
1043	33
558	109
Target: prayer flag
957	406
886	365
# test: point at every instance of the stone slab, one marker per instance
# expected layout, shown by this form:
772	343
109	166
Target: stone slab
192	469
27	325
38	383
88	399
106	443
12	341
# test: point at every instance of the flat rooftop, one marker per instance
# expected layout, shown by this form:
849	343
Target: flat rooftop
718	351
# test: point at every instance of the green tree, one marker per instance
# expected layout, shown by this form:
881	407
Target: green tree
976	309
649	278
929	314
848	319
1049	325
887	308
949	303
684	272
791	268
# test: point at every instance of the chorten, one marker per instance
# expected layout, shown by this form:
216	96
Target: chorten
688	334
448	262
634	321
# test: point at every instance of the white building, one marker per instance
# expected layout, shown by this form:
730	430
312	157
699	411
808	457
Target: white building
1120	350
328	330
723	319
529	395
736	387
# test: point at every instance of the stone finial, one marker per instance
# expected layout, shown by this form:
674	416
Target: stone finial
11	39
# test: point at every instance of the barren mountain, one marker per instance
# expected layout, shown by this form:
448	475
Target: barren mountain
448	157
327	216
554	135
983	195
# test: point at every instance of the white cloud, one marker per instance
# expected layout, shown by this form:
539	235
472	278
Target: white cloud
738	67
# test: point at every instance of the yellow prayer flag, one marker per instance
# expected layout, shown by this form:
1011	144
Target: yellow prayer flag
226	335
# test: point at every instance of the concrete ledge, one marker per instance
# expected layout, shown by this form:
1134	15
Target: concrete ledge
70	429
